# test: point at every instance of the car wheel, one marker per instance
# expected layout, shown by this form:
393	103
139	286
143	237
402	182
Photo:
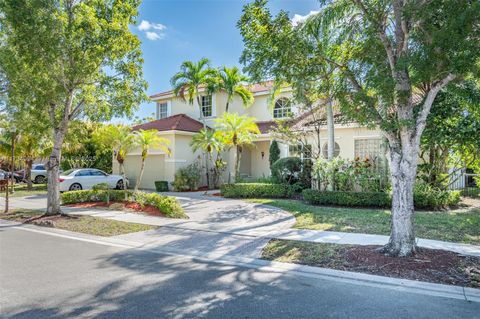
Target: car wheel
119	184
75	187
40	179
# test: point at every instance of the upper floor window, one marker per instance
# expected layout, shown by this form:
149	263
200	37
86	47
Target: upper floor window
206	101
282	108
370	148
162	110
336	150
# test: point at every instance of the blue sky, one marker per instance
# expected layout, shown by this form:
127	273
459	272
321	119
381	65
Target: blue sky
173	31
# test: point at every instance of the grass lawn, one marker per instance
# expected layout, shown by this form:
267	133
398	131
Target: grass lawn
21	190
81	224
427	265
455	226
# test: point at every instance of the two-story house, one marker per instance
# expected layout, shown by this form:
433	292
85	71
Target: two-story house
178	121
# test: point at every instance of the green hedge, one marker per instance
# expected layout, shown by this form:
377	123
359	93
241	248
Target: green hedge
424	197
373	199
256	190
166	204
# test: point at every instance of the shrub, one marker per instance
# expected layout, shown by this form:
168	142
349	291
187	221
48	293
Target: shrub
166	204
427	196
161	186
424	197
274	153
256	190
187	178
100	186
373	199
306	174
287	170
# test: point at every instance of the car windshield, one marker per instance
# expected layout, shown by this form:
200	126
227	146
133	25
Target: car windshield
68	172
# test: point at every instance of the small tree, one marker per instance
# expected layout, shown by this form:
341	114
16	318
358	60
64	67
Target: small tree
120	139
146	140
274	153
239	132
209	142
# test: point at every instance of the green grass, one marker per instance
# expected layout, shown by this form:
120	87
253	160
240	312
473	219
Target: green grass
455	226
21	190
84	224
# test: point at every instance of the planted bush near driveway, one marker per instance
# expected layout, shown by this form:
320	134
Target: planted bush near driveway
373	199
166	204
256	190
424	197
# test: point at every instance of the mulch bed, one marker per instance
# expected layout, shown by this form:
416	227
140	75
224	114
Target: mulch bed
436	266
127	206
430	265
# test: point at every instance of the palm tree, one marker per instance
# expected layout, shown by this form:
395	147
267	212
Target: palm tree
146	140
31	146
208	141
239	132
188	82
190	79
230	80
120	138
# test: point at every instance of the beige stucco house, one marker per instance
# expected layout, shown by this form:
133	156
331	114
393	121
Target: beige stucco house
178	121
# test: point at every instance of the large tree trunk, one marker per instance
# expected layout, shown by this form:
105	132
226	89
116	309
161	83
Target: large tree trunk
402	235
28	173
53	168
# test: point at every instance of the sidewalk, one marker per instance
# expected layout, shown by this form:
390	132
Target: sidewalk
255	238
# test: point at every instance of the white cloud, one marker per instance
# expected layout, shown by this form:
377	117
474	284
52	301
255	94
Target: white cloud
157	30
154	35
146	25
297	18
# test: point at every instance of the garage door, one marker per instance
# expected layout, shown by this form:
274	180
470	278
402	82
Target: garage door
154	170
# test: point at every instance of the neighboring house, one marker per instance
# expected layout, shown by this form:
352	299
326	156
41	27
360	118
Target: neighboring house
177	120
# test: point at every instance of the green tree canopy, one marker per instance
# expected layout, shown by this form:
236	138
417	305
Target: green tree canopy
66	59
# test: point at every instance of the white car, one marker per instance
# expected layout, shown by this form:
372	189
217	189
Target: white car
86	178
39	174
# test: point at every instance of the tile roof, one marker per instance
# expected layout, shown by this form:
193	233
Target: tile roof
178	122
254	88
266	126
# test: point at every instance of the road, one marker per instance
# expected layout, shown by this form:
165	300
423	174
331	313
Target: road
43	276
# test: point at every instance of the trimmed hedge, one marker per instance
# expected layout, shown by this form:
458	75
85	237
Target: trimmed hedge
256	190
423	197
166	204
373	199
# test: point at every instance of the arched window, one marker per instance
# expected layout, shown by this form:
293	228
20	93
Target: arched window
282	108
336	150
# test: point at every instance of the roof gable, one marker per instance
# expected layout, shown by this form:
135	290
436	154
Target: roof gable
178	122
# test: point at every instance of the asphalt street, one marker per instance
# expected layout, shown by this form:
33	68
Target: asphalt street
43	276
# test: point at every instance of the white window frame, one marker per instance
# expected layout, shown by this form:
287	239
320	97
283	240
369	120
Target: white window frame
213	106
335	149
169	109
372	138
284	111
300	151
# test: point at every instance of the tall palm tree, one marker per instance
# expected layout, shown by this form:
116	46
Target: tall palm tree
208	141
120	138
190	79
188	82
239	132
230	80
146	140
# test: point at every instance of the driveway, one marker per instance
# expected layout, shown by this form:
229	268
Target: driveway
215	226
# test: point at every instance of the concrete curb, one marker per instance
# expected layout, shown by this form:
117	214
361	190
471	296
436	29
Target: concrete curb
425	288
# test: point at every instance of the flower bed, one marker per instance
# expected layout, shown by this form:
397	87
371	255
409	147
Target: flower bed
167	205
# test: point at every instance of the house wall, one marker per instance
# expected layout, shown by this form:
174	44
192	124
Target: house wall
260	109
